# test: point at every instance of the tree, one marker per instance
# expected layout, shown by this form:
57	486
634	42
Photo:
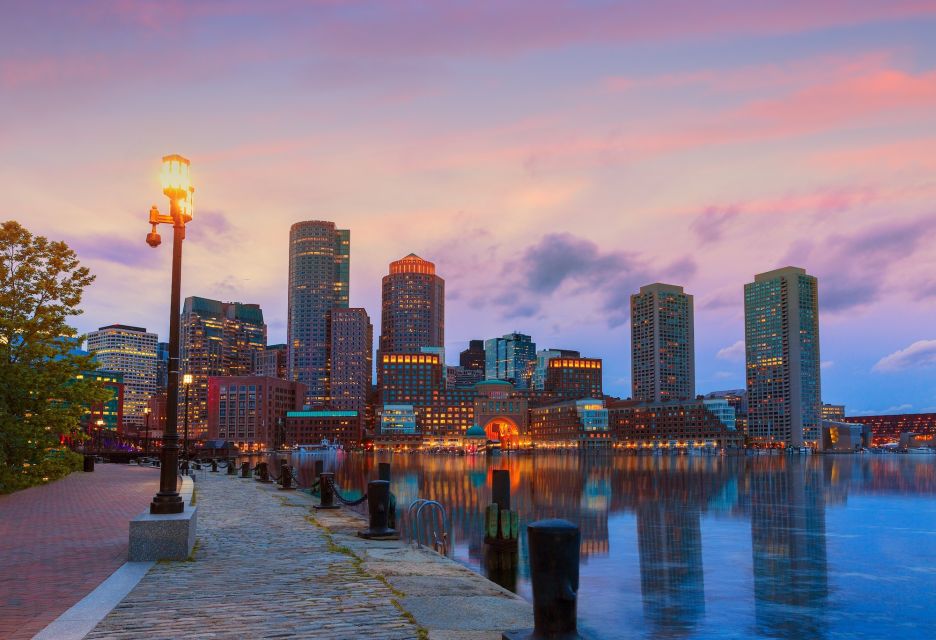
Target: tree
42	397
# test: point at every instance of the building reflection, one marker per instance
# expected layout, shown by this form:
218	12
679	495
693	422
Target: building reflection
787	509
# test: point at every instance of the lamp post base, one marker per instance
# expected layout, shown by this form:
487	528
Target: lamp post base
167	504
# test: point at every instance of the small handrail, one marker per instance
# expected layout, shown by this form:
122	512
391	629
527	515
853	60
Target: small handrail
435	531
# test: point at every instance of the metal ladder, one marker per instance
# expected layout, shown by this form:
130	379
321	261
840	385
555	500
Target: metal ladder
428	525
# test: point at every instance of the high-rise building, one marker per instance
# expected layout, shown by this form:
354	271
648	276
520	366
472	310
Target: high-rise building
543	356
413	307
162	366
781	335
271	362
511	357
217	339
319	257
662	344
351	338
131	352
472	358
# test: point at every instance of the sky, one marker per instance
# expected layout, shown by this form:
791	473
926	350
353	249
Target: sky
549	157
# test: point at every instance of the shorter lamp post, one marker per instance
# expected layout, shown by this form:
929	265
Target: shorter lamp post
100	434
186	382
146	412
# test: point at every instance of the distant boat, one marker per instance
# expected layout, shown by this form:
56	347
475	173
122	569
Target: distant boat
922	451
323	447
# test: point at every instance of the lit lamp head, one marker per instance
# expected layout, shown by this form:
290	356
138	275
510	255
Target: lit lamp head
176	180
146	410
187	378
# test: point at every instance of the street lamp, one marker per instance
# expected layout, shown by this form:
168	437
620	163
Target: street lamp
177	186
146	412
187	383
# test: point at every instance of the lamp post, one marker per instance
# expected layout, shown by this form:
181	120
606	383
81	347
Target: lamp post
146	412
186	382
177	186
100	434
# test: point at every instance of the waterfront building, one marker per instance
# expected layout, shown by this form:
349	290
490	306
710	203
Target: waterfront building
662	344
472	358
162	366
131	352
271	362
887	429
503	412
722	410
150	434
737	400
674	425
105	419
338	426
251	410
579	424
412	307
410	378
351	342
217	339
844	436
512	358
832	411
781	335
319	258
574	378
543	357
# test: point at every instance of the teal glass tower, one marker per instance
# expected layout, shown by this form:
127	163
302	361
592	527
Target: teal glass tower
781	337
511	357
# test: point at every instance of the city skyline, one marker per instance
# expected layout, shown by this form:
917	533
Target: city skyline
548	174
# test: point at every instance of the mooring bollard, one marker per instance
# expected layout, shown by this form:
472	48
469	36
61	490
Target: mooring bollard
88	464
214	466
326	491
245	469
231	467
383	471
378	507
501	525
554	574
285	476
263	472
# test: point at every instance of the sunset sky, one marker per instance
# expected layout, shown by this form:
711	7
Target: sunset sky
549	157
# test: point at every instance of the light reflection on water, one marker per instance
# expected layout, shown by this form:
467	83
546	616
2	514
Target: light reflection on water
695	547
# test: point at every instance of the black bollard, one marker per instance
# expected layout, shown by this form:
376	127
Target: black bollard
326	491
285	477
245	469
378	507
88	464
214	466
383	471
231	467
554	574
500	489
263	472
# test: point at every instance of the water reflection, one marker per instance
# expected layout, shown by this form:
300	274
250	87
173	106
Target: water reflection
665	513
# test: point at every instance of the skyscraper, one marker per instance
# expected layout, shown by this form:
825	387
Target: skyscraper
511	357
662	344
162	366
131	352
217	339
472	358
351	338
413	307
781	338
319	257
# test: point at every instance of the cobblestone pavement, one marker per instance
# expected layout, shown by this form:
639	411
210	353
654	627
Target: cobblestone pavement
61	540
261	569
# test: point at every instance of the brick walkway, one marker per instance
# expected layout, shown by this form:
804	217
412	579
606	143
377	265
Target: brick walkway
260	570
61	540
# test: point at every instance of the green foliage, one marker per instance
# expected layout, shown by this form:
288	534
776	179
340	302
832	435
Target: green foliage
41	398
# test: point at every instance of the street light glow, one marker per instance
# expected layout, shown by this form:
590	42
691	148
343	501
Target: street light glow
176	175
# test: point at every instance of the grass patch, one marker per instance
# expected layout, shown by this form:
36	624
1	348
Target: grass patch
422	632
191	557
